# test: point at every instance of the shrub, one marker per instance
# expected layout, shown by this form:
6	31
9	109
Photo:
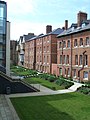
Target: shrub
70	79
51	78
53	88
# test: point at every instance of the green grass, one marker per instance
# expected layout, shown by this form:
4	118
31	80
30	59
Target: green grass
43	82
22	71
71	106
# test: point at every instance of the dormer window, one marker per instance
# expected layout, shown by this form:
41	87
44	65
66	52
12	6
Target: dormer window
81	41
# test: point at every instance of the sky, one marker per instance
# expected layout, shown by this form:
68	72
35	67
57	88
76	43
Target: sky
32	16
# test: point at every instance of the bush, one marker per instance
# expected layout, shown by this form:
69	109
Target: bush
59	81
84	90
44	76
51	78
53	88
70	79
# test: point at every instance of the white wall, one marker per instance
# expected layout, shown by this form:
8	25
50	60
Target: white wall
8	49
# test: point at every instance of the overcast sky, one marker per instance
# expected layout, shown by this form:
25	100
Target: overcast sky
33	15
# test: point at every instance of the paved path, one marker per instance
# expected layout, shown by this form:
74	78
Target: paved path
47	91
7	111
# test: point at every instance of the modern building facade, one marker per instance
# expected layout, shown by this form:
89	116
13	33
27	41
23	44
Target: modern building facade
4	39
73	56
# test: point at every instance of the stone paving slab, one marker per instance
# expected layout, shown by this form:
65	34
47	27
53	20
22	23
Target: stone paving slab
5	109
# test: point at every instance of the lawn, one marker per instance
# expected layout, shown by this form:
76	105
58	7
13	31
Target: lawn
71	106
21	71
43	82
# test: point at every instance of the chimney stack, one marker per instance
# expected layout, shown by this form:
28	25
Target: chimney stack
81	16
48	29
66	24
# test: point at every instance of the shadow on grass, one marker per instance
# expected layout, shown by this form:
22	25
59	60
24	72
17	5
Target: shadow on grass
37	108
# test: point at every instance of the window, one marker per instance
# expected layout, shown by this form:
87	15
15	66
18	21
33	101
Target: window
47	48
1	11
40	59
74	72
81	42
40	49
60	44
37	58
75	43
68	44
44	58
65	71
81	60
64	44
60	70
67	59
60	59
44	48
68	72
64	59
86	60
85	74
87	41
47	59
76	59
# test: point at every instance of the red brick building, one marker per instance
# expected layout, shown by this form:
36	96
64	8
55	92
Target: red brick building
46	50
13	53
73	51
30	53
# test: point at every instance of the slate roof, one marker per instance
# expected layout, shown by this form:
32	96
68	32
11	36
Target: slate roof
54	32
74	31
27	37
32	37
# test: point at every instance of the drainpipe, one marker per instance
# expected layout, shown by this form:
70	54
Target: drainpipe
82	66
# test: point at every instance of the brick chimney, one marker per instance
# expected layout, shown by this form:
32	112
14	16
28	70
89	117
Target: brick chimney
48	29
81	16
30	33
66	24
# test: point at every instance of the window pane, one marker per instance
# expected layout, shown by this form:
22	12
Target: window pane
1	12
75	42
60	71
85	74
76	59
87	40
81	41
68	44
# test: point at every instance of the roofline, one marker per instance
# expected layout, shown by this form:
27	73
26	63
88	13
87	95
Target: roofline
73	33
